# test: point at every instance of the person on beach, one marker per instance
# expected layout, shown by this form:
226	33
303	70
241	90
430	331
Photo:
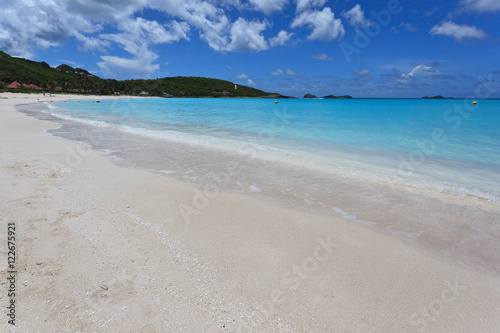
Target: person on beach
43	92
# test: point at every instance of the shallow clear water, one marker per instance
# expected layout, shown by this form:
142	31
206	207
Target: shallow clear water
392	124
445	145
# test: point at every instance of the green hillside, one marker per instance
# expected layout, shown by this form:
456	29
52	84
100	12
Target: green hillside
64	78
42	75
191	86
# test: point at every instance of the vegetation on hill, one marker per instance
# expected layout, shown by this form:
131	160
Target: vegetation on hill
65	78
333	96
69	69
48	78
310	96
190	87
327	97
436	97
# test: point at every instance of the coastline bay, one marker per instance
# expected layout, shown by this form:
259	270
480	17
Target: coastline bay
394	249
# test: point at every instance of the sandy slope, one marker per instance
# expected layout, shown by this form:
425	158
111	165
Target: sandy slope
106	249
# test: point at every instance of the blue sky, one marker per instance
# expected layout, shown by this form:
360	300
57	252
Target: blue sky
372	48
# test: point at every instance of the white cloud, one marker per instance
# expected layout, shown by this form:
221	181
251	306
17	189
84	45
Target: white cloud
27	20
421	70
269	6
222	35
459	32
362	72
251	82
303	5
92	43
356	17
406	26
416	70
481	6
324	24
29	24
104	10
281	39
34	24
212	23
322	56
241	76
278	71
246	36
139	30
114	25
139	67
136	37
287	71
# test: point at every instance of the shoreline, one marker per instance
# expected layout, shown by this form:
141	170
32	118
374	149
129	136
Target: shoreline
106	245
259	97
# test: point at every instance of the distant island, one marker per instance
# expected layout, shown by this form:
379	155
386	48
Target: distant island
437	97
340	97
310	96
22	75
327	97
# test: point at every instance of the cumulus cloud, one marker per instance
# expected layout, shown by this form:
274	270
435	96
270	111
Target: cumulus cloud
212	23
29	24
251	82
281	39
104	10
269	6
110	25
323	23
136	38
241	76
481	6
138	67
92	43
246	36
356	17
322	56
458	32
303	5
139	30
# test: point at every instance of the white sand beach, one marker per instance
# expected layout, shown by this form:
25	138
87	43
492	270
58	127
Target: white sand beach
102	248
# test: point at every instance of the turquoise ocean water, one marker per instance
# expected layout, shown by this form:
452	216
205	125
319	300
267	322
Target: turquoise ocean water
445	145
